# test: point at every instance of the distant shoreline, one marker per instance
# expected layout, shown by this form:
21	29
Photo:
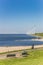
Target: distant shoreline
38	35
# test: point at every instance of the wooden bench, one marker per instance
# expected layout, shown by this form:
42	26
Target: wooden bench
11	55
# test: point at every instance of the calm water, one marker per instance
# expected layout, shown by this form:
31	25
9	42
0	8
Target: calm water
17	40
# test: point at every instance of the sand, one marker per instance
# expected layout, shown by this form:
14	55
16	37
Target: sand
15	48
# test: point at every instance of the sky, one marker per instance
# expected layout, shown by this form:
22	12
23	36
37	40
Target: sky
21	16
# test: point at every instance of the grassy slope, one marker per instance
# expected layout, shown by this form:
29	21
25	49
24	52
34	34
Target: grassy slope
34	58
39	34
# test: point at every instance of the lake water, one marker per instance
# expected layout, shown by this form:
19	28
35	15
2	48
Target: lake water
18	40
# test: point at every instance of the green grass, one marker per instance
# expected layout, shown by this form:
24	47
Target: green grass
39	34
35	57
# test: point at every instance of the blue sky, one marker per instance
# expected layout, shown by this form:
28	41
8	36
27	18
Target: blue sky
21	16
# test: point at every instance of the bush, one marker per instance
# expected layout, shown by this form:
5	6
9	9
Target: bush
24	53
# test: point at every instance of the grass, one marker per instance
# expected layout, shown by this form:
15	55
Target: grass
35	57
38	34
